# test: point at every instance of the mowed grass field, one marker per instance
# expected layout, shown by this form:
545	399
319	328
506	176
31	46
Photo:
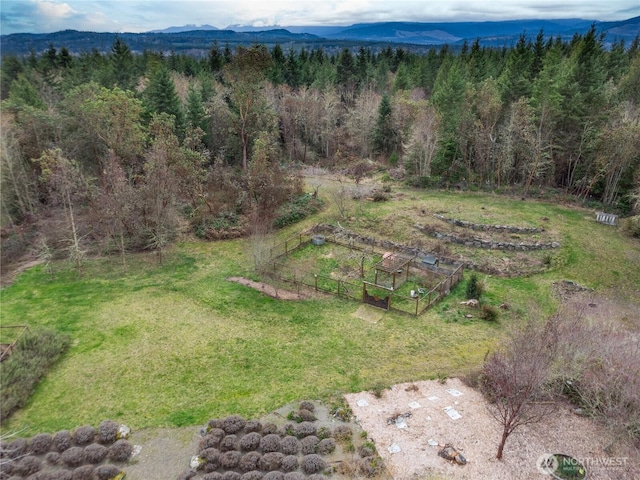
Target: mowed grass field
176	344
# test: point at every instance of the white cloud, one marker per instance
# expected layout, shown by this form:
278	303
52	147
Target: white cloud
143	15
54	11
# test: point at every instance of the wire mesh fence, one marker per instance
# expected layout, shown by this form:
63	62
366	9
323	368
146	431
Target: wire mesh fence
409	300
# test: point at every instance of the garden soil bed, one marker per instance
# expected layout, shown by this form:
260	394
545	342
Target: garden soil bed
270	290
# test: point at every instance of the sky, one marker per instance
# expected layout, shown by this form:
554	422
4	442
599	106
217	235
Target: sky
45	16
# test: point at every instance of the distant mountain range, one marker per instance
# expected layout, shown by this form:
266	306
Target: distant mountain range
411	35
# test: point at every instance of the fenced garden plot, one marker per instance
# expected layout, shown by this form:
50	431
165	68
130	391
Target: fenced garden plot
350	266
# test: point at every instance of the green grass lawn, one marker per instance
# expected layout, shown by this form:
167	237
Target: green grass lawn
176	344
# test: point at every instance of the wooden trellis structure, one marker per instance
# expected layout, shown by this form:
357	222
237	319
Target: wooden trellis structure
394	265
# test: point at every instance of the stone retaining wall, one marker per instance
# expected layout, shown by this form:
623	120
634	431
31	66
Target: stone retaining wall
384	244
488	244
489	228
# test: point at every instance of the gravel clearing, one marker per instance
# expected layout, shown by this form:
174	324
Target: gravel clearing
476	435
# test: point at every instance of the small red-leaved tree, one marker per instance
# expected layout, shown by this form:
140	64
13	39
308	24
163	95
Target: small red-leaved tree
514	378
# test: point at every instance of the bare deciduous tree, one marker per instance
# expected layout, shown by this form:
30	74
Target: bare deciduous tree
423	142
115	203
18	184
514	377
65	183
160	187
361	120
340	196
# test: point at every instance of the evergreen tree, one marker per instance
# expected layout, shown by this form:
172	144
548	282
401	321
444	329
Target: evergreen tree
276	71
12	67
160	97
50	58
216	60
590	74
516	77
347	77
617	61
292	69
196	114
402	80
539	52
64	58
385	137
122	65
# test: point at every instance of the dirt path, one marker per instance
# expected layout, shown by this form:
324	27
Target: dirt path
270	290
10	273
164	453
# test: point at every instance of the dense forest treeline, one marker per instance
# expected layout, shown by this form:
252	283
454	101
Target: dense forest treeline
113	150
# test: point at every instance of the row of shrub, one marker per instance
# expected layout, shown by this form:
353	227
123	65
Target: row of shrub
233	448
33	355
67	455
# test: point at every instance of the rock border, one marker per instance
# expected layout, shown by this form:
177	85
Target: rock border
487	244
489	228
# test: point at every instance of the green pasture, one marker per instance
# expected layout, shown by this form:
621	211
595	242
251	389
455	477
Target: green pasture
176	344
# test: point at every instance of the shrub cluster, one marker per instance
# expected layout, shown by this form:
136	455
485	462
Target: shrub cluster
223	226
120	451
250	441
250	461
293	476
275	475
304	429
84	472
253	426
631	226
62	440
308	444
252	475
289	445
289	463
230	460
40	444
489	313
306	405
233	424
270	443
106	472
296	210
26	466
271	461
73	457
212	476
95	453
84	435
34	353
107	432
268	428
230	475
312	463
228	443
256	451
474	287
326	446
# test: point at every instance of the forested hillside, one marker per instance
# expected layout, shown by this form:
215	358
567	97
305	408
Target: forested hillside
112	152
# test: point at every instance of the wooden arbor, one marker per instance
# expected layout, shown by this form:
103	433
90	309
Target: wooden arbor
397	266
